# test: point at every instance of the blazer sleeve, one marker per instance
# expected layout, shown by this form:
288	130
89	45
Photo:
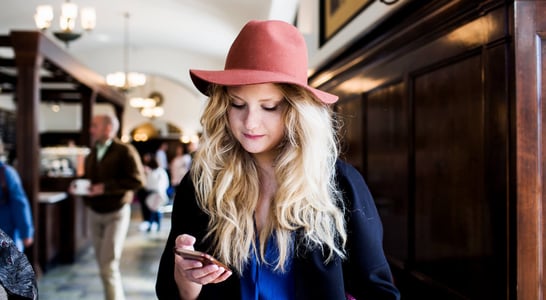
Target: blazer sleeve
183	213
366	273
188	218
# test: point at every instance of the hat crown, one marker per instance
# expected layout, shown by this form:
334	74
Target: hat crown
273	46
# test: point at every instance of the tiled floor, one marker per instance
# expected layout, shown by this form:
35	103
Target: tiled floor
138	268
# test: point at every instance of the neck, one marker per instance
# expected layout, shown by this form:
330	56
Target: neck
103	141
265	163
268	189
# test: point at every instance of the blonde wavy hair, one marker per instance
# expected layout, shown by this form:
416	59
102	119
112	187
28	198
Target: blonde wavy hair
307	200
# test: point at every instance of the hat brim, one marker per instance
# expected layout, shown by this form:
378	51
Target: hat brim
203	78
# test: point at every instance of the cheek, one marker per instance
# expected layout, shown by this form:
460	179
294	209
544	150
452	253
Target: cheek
277	127
232	119
233	123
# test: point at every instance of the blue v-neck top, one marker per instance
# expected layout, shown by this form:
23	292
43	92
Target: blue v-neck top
260	281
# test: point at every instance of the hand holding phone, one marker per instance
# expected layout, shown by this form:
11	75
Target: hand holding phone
204	258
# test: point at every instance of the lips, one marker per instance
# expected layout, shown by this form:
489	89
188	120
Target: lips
252	136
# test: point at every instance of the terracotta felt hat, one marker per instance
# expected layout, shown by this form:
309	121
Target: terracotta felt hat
263	52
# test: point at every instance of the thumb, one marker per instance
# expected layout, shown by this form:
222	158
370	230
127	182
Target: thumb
185	241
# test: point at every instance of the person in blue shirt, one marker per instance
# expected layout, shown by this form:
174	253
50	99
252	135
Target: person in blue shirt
267	194
15	214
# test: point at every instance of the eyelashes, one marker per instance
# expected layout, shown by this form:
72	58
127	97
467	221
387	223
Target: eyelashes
237	106
266	108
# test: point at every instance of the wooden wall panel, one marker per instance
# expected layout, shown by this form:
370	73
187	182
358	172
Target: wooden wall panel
452	218
530	52
497	133
386	144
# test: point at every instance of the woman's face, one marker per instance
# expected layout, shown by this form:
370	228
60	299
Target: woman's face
255	117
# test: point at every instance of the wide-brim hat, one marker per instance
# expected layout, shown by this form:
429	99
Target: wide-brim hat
263	52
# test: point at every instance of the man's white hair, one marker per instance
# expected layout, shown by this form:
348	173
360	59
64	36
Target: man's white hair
112	120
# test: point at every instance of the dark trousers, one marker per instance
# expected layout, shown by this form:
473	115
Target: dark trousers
146	213
155	217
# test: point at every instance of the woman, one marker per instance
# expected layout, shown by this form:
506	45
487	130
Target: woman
180	164
266	194
157	183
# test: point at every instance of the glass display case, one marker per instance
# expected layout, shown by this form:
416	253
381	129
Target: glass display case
62	161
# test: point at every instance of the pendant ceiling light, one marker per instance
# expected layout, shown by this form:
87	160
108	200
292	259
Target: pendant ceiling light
150	107
126	80
67	21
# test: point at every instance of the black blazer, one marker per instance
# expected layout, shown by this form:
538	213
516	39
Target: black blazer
364	275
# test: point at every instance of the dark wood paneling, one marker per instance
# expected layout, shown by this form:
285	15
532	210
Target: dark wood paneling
452	216
529	109
497	92
386	143
437	145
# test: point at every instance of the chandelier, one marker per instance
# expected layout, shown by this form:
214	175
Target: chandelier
126	80
67	21
149	107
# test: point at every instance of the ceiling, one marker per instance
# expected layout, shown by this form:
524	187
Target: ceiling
181	28
166	37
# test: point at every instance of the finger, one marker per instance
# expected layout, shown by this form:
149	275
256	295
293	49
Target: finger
207	274
224	275
185	241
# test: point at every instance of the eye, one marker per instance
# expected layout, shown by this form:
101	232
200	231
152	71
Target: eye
270	108
273	106
237	105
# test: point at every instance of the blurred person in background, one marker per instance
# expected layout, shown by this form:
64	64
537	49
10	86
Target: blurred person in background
15	212
157	183
115	171
180	164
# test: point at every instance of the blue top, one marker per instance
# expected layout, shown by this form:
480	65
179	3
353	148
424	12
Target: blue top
261	282
15	214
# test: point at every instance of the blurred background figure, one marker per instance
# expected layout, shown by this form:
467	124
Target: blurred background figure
157	183
142	193
115	171
15	213
180	164
161	156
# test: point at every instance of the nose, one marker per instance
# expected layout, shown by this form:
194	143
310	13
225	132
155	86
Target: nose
252	119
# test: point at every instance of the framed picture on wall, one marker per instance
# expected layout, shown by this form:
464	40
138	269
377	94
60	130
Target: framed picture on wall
334	14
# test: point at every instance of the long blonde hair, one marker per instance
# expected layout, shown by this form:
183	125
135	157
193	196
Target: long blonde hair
307	200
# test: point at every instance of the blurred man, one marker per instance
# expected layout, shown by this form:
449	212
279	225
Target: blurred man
115	171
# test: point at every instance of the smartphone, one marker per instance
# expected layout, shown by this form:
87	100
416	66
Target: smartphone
204	258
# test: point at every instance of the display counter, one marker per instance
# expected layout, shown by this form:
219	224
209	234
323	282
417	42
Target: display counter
63	229
49	231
